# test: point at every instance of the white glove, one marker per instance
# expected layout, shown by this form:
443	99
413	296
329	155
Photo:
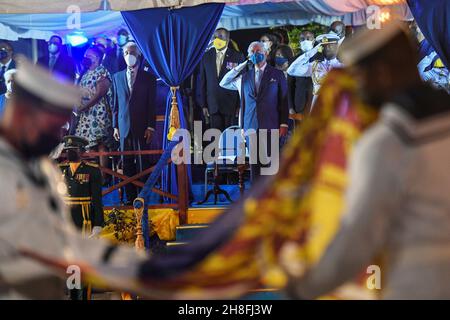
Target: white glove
242	66
116	134
95	232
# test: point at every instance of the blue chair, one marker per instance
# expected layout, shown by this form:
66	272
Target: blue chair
232	156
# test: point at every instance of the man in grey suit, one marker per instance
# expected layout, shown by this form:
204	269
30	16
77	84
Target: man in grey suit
134	113
398	203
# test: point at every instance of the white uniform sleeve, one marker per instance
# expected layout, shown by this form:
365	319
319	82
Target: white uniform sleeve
232	80
301	67
423	64
372	200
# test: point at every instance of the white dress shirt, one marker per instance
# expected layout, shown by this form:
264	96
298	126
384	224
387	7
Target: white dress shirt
220	56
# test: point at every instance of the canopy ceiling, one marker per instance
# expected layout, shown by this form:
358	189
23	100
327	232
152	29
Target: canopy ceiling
33	20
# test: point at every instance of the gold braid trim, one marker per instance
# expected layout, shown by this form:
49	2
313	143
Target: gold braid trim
85	203
174	118
139	244
87	224
77	198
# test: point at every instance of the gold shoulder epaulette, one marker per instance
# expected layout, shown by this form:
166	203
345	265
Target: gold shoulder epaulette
62	164
91	164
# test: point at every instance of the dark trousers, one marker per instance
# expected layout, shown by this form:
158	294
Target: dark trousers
221	121
132	165
266	146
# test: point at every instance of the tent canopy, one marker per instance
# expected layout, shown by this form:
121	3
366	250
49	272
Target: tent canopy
96	17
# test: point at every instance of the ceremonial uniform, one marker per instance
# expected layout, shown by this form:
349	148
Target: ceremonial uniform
307	65
84	194
34	221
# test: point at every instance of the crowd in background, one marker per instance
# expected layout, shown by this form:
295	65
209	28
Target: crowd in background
115	79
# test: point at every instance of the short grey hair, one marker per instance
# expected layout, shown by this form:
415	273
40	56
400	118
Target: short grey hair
131	44
256	43
9	73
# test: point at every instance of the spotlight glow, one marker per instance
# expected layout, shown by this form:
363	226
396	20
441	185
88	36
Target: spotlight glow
76	39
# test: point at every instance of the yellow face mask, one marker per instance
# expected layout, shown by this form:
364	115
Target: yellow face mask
219	44
438	64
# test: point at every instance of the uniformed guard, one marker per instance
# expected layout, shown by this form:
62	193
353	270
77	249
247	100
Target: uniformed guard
35	224
317	62
84	188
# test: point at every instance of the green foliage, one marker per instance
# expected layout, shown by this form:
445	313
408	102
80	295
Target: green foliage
295	31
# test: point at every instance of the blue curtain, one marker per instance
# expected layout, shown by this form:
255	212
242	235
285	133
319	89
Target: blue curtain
173	41
433	18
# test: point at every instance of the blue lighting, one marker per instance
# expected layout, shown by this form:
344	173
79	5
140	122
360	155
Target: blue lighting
76	39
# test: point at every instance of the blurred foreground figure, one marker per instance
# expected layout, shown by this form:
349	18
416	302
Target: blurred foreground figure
397	201
34	222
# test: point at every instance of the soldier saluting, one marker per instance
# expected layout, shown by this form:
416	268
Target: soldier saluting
84	188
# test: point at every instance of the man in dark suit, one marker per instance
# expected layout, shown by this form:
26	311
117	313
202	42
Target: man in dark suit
134	112
122	39
6	63
219	105
57	60
263	91
300	89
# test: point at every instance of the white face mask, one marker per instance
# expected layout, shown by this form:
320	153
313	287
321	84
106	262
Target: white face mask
53	48
306	45
266	45
130	60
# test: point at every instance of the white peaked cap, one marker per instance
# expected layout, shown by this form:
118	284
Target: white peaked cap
366	42
51	88
327	38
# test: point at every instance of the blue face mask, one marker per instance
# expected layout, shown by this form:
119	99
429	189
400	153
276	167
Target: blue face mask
279	61
122	40
257	57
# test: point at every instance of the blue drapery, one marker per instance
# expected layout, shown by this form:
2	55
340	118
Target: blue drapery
433	17
173	41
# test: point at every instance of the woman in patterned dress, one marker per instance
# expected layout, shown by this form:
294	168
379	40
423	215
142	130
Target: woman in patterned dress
95	112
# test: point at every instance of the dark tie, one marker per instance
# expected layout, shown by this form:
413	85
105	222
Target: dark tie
2	72
51	62
258	79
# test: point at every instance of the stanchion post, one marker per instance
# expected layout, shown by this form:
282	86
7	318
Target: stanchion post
183	192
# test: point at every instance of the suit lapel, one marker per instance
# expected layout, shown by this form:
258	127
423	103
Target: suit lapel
223	67
125	83
252	81
213	57
264	79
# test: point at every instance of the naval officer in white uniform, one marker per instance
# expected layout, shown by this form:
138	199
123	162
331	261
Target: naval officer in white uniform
317	62
398	203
